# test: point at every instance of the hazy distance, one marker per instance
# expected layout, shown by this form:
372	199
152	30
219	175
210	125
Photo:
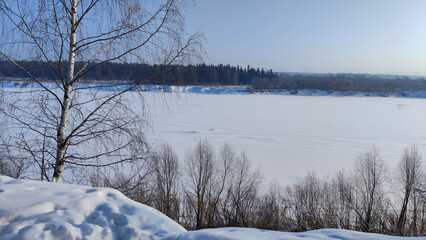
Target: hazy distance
362	36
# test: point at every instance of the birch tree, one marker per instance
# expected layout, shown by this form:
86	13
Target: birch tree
87	128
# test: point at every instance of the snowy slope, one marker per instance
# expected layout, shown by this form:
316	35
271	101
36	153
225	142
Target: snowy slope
40	210
257	234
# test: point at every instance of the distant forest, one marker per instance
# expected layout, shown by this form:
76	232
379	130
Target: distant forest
341	82
200	74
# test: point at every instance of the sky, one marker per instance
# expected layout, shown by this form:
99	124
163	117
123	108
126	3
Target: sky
321	36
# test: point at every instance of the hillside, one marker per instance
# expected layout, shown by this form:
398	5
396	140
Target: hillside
41	210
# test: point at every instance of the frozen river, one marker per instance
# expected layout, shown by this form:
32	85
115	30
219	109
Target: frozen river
287	136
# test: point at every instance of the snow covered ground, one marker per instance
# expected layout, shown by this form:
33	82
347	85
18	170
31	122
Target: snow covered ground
285	135
41	210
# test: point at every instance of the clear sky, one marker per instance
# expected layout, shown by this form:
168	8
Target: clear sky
324	36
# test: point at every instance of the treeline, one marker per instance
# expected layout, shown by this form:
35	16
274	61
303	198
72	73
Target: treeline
222	189
341	82
200	74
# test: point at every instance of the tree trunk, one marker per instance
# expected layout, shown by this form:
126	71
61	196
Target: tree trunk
403	213
62	128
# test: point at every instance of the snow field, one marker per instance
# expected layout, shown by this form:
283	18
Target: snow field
288	136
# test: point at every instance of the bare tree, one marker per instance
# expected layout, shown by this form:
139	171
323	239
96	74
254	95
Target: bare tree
71	115
166	181
305	201
200	168
409	174
242	195
132	179
225	174
370	176
345	200
11	164
329	205
220	191
270	212
416	224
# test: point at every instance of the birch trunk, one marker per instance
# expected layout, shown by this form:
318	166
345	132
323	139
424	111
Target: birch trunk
62	128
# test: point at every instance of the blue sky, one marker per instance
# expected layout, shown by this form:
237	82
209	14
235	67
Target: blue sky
358	36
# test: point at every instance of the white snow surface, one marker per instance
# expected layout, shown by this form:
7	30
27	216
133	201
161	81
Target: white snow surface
284	133
258	234
288	136
41	210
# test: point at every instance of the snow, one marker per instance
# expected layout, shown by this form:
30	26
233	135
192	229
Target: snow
285	135
40	210
256	234
288	136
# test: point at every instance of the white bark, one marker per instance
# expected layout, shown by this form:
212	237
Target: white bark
109	130
62	128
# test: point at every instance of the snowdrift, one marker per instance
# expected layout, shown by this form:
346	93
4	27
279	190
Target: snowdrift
41	210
